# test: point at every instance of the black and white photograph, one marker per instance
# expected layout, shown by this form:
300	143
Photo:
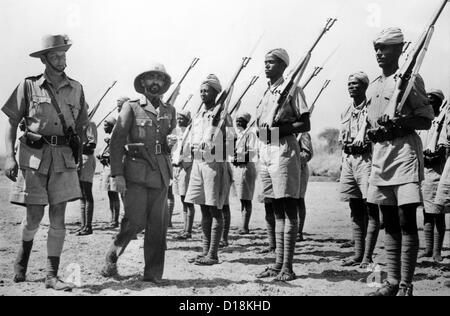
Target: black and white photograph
225	153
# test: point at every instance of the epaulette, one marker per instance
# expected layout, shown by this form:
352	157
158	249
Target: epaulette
34	77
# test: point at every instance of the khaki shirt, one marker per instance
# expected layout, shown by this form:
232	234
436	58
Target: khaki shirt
34	103
289	113
399	161
202	128
142	123
247	142
427	136
352	120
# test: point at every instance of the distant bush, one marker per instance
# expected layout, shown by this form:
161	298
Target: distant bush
327	159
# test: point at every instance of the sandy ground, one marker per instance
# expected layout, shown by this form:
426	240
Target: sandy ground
316	260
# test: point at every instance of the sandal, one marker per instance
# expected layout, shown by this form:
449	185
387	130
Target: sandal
206	261
266	251
350	263
365	264
183	236
193	259
269	272
285	276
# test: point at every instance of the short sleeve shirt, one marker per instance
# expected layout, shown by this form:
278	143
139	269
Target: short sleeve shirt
399	161
290	112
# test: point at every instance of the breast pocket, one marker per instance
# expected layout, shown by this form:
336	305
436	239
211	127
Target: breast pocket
39	105
143	127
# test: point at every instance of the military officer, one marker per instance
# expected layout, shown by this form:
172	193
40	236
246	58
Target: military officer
54	110
356	166
397	163
141	168
280	168
434	143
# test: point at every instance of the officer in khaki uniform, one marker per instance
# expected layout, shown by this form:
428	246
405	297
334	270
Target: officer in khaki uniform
141	168
356	166
434	143
397	164
48	171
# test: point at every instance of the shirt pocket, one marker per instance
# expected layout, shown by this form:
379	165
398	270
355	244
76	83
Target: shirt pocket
39	105
29	158
143	127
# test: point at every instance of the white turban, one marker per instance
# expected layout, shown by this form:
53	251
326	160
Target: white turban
281	54
390	36
212	81
361	76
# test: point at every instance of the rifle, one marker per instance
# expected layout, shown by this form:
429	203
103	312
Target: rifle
406	76
437	131
297	74
237	105
174	94
311	108
187	101
325	85
91	114
104	118
318	69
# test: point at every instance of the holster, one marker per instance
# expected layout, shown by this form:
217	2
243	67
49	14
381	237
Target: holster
74	142
139	150
33	140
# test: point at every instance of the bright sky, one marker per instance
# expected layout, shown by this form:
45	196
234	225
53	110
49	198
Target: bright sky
116	40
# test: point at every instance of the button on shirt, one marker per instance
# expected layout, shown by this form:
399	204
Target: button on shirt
352	120
399	161
34	103
289	113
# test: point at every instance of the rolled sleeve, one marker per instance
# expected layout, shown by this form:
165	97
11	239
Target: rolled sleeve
15	107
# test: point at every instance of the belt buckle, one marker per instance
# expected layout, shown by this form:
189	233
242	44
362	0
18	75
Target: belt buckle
158	149
54	140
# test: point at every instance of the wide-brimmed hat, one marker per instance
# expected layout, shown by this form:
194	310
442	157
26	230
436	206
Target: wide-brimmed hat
53	43
155	68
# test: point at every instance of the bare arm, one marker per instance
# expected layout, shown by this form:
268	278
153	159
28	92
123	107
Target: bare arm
11	167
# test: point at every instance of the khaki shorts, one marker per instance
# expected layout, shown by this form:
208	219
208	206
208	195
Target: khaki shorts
280	169
88	170
304	178
429	190
244	178
355	177
33	188
209	184
181	179
395	195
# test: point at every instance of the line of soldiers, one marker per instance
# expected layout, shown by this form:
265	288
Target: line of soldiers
147	150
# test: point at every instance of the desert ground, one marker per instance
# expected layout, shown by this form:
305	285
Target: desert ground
316	263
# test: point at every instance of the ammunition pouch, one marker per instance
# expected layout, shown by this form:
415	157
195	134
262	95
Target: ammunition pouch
383	134
357	150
